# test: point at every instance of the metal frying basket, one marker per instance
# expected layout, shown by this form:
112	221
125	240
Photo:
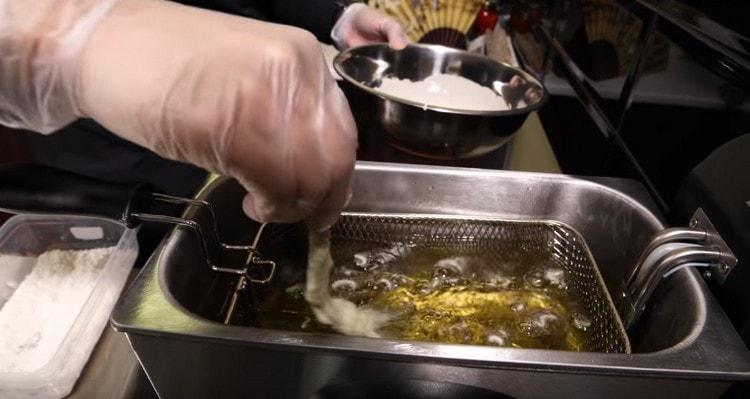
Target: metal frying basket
500	242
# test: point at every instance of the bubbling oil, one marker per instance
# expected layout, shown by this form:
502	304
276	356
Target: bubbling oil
520	300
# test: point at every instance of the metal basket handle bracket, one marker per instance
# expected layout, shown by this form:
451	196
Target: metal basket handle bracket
670	250
255	269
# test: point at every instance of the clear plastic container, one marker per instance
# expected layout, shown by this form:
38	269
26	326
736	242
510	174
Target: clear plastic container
22	239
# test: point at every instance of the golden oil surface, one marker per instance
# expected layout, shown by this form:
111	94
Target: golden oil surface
473	314
449	297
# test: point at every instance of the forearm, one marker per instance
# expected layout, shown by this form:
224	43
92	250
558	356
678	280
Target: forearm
40	41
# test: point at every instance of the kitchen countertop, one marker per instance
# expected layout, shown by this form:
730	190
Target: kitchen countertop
113	370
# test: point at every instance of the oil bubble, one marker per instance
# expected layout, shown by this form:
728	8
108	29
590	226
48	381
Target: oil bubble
383	284
344	286
539	324
580	321
450	267
518	306
460	331
556	277
498	338
375	259
535	278
502	282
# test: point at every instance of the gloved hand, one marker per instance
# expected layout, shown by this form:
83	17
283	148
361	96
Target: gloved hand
236	96
359	25
39	41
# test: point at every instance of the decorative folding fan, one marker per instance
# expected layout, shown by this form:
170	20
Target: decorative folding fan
612	34
443	22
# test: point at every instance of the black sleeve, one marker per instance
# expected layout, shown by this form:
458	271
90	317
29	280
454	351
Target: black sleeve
316	16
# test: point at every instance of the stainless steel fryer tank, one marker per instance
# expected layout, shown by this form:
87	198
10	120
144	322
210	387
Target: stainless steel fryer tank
683	345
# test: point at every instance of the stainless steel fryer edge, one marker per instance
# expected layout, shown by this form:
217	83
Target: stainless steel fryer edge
714	352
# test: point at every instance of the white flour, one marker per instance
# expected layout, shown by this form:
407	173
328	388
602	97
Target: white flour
344	316
39	313
443	90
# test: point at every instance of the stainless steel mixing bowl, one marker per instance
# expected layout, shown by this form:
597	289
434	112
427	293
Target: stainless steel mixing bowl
433	131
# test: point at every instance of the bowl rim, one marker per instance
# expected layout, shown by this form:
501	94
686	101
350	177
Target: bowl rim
350	52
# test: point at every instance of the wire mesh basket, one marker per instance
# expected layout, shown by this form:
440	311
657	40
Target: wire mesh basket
495	247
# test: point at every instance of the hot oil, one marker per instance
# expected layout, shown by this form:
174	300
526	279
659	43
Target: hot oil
447	294
475	313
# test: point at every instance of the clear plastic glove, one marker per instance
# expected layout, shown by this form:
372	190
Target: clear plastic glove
236	96
360	24
39	41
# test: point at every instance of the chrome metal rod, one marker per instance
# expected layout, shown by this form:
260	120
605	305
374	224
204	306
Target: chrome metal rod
255	261
241	282
635	70
195	226
635	297
591	102
170	199
211	257
675	234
